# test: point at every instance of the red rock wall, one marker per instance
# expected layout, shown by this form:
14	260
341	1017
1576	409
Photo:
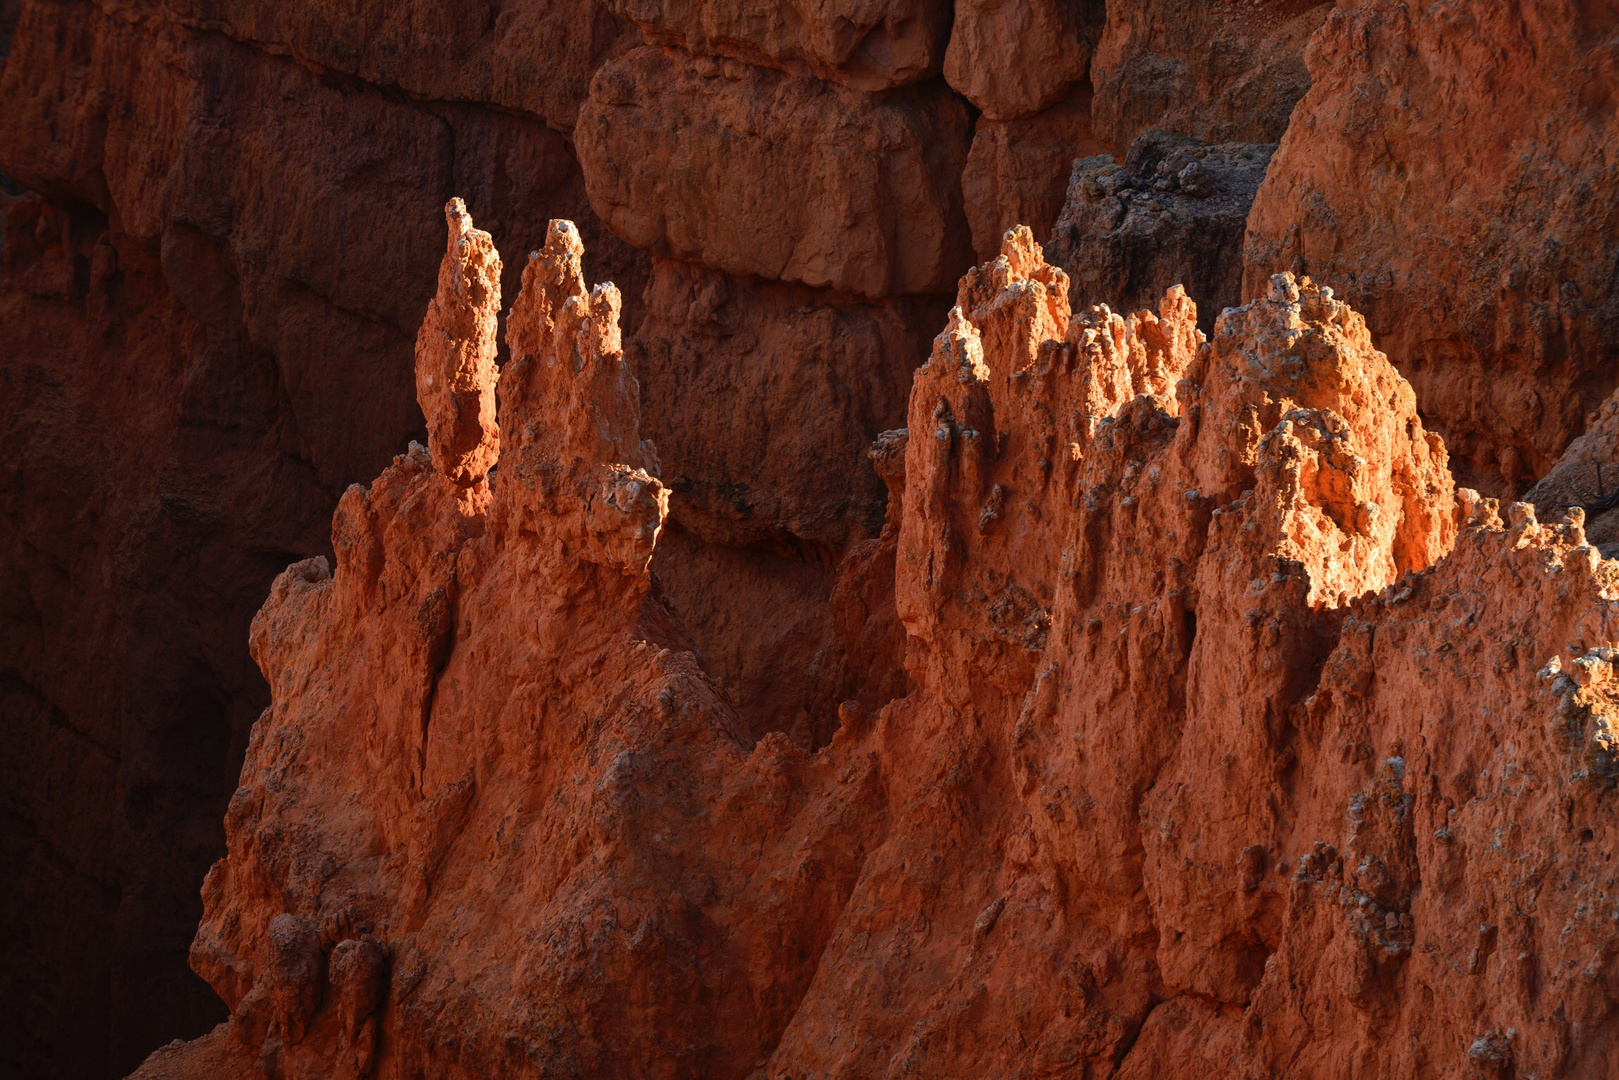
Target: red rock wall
800	764
1452	170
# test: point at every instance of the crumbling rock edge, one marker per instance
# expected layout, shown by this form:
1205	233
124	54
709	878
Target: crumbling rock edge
1227	721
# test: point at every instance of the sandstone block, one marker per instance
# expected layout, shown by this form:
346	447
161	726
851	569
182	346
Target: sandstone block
722	360
870	46
754	171
1017	170
1012	58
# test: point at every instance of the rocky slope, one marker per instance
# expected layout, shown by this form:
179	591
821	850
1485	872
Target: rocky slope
222	223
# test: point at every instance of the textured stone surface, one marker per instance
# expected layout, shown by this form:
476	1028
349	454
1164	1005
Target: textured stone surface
1587	477
1017	170
754	171
534	56
208	327
867	44
1012	58
455	354
1477	227
1175	213
1171	715
735	374
1221	72
1140	577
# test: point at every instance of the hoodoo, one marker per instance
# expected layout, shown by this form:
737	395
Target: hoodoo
809	539
1224	719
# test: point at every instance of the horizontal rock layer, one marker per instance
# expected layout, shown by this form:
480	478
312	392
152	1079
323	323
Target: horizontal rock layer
533	57
866	45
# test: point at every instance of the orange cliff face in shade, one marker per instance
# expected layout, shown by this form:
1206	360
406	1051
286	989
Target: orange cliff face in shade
1223	721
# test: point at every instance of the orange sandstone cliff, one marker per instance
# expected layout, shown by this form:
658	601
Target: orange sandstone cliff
1219	719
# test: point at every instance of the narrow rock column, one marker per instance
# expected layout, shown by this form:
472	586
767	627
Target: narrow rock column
455	355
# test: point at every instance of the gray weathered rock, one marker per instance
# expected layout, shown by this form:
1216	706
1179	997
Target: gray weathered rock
1173	214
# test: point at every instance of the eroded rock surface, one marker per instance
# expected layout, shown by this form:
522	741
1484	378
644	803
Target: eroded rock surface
531	56
1586	477
1221	719
210	296
734	374
1223	73
1476	228
1175	213
1017	170
1012	58
753	171
1144	704
870	46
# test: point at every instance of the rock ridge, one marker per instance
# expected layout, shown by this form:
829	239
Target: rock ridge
1209	732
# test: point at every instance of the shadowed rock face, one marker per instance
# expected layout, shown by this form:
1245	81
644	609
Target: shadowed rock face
1017	171
209	301
863	44
1173	214
1234	77
752	171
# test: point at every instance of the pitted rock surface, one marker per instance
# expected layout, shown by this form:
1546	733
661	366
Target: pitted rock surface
1175	213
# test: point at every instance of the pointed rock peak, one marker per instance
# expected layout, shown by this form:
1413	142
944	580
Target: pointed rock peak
1019	274
455	354
1023	256
959	350
554	275
567	396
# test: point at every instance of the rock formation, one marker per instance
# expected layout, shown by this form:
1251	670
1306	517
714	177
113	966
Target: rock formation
1017	170
1585	477
1223	719
1051	40
1174	213
739	444
753	171
869	46
211	289
678	704
1232	77
1476	228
